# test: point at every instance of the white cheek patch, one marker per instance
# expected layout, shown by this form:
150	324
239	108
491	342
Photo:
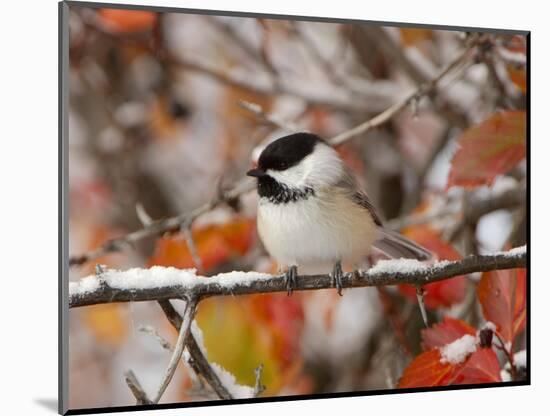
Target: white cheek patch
322	167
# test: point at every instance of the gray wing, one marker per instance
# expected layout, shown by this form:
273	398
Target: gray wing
361	198
391	243
348	182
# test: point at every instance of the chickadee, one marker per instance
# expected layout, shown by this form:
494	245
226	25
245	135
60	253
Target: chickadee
311	210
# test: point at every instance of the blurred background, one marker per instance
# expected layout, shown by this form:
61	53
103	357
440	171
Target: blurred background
165	109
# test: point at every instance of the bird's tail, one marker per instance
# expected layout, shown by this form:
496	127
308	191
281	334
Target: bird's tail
394	245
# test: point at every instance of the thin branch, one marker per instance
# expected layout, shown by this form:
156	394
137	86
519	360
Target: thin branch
423	89
258	386
275	121
245	185
136	389
147	329
386	272
199	362
474	209
178	350
162	226
190	241
420	298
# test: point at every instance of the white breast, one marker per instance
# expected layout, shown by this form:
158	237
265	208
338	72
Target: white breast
321	229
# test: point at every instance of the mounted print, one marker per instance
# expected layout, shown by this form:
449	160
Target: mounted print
262	208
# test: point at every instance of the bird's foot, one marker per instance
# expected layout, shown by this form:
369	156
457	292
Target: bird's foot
337	275
290	279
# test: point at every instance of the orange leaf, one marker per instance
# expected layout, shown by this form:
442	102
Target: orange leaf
518	76
413	36
127	21
215	245
489	149
107	323
502	296
446	292
445	332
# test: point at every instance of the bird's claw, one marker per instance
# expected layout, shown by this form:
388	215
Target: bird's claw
290	279
336	276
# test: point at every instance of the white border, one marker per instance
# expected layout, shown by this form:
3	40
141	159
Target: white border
28	135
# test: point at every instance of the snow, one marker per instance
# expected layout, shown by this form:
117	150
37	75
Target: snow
87	284
158	277
457	351
505	375
490	325
238	391
515	252
520	358
228	380
406	266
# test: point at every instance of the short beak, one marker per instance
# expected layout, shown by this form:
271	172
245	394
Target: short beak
257	173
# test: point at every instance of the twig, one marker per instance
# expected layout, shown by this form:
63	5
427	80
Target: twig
475	208
245	185
275	121
147	329
161	226
188	235
178	350
509	355
420	297
258	386
196	287
136	389
423	89
199	362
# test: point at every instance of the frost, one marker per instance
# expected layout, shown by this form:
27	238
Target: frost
238	391
457	351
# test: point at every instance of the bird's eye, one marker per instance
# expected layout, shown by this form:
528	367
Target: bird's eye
283	165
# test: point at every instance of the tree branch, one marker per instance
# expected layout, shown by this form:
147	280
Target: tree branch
178	350
200	364
159	283
136	389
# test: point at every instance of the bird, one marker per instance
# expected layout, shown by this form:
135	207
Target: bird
311	210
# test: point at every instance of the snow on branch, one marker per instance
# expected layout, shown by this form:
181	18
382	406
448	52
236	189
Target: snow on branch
161	283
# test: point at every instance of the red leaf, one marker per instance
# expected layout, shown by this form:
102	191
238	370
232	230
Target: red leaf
283	317
427	370
489	149
481	367
445	332
502	296
439	294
